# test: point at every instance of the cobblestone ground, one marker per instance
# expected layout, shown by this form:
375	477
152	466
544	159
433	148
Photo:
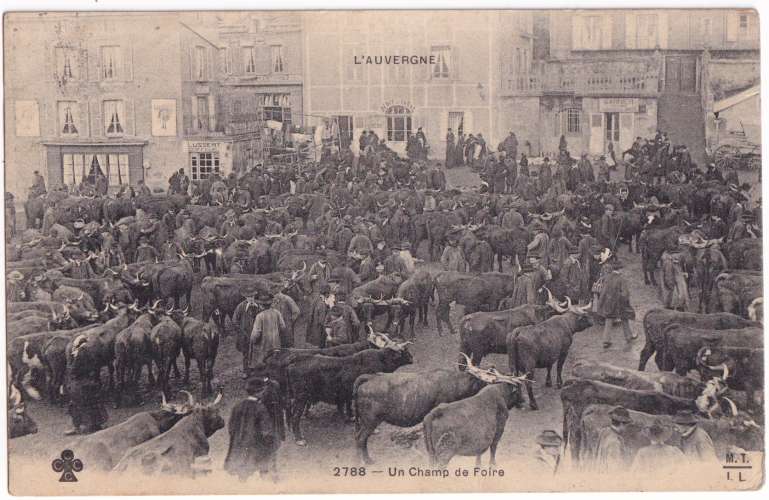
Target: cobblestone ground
330	439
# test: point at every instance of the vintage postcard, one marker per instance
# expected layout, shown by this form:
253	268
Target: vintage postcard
383	251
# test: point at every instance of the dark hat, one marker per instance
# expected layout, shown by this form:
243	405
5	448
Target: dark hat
264	298
255	384
620	414
549	438
526	268
15	276
659	431
685	417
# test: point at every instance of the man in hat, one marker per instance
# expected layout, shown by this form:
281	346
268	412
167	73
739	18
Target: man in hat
317	309
585	169
548	455
604	173
394	263
608	231
265	334
289	311
367	267
449	148
540	243
145	252
673	285
614	304
453	258
739	229
14	291
545	176
570	275
38	185
142	189
558	250
713	173
344	277
256	430
657	456
612	455
696	444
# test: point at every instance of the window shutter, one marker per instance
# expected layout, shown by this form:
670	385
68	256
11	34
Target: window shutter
607	35
732	26
576	32
194	126
263	60
127	52
211	113
630	30
662	30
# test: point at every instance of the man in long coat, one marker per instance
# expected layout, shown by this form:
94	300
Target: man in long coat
545	176
586	169
696	443
449	149
256	430
289	311
612	454
266	332
453	259
316	319
614	304
588	268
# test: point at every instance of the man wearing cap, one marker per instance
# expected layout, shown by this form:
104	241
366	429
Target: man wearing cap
256	430
585	169
265	334
609	228
657	456
289	311
14	290
548	455
317	309
614	304
696	444
394	263
453	258
604	173
612	455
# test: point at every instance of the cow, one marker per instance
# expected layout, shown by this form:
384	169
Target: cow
656	320
81	306
544	344
473	425
405	399
19	422
577	394
103	449
652	243
171	283
484	333
101	290
331	379
133	350
683	342
114	209
174	451
742	368
414	295
34	209
474	292
744	253
36	324
665	382
371	299
166	342
735	290
200	341
224	293
510	242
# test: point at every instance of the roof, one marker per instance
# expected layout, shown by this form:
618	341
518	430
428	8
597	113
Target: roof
736	98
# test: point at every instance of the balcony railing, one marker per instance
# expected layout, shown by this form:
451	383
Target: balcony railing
588	78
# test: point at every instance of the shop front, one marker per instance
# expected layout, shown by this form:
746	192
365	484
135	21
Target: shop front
205	157
69	163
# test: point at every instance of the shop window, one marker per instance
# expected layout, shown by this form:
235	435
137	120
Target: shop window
276	54
114	113
276	107
203	165
442	65
79	166
573	125
398	123
110	62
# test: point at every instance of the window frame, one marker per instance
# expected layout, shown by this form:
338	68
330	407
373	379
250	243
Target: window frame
438	51
249	59
209	160
573	121
399	122
200	63
121	122
118	63
62	123
277	50
227	60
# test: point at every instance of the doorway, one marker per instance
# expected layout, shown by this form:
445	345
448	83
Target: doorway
612	128
681	74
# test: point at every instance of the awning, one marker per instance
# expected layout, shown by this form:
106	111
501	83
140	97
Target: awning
730	101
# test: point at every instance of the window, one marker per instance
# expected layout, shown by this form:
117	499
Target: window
201	104
398	123
612	127
442	61
573	120
249	62
456	122
743	24
647	31
68	117
227	61
110	62
276	106
77	166
276	55
66	64
199	64
113	117
202	165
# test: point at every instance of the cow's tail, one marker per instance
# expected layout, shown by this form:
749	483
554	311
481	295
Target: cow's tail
427	430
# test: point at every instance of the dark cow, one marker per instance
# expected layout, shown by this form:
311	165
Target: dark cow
133	351
103	449
224	293
417	291
34	209
330	380
171	283
101	290
471	426
474	292
174	451
505	242
665	382
483	333
544	344
736	290
200	341
683	342
577	394
19	422
166	342
656	320
744	253
742	368
652	243
114	209
405	399
81	306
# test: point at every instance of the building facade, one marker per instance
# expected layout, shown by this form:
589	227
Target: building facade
446	74
608	76
83	90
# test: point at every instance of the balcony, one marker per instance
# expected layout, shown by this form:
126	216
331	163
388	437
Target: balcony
588	78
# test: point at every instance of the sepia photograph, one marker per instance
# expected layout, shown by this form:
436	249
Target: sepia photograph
383	251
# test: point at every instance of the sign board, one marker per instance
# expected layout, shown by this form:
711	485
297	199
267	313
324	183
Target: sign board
248	127
202	147
164	117
618	105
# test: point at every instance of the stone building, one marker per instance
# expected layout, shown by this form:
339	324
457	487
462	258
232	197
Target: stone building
600	76
85	89
447	72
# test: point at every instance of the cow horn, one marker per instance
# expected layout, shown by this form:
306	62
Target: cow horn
218	398
155	304
468	361
163	402
82	295
15	396
186	310
190	398
125	267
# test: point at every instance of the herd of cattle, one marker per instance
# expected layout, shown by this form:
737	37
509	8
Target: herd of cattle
76	309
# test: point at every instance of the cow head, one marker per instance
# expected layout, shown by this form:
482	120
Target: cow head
756	310
714	362
709	402
19	422
208	413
